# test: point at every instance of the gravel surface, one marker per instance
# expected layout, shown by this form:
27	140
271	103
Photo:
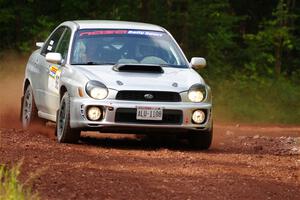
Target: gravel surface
245	162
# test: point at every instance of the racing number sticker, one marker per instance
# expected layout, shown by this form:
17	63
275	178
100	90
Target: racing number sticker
53	80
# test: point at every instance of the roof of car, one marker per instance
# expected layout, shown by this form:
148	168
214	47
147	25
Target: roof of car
110	24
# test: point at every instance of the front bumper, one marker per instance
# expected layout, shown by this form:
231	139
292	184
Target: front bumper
79	120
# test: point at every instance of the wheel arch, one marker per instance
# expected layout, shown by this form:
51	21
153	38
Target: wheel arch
26	84
63	89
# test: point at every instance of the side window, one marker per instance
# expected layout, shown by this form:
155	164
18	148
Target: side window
63	44
52	42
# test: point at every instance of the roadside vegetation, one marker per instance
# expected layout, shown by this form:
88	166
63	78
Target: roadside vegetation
252	48
11	188
249	101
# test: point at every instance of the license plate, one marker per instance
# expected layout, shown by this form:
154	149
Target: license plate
149	113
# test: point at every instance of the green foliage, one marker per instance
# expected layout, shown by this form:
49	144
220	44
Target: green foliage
10	188
255	101
212	26
39	32
275	36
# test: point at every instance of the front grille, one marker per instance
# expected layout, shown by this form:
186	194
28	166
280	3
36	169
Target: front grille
128	115
131	95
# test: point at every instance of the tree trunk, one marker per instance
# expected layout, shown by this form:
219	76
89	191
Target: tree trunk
144	14
17	25
278	52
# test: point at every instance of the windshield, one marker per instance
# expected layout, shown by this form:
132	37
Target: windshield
102	46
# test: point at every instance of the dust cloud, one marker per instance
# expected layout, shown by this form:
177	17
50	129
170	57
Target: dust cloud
11	87
12	68
10	101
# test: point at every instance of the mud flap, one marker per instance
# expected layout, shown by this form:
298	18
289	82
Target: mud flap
55	132
21	111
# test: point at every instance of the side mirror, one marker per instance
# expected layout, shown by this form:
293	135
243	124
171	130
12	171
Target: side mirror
39	44
198	62
54	58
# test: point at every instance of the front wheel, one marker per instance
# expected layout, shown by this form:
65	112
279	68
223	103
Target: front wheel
64	133
201	140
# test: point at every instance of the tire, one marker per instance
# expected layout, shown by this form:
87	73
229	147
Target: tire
201	140
29	111
64	133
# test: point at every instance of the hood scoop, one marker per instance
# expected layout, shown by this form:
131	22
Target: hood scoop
138	68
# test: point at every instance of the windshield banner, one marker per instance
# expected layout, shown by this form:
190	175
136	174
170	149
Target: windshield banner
121	32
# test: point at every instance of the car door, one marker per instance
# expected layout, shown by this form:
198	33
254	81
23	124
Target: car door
55	71
44	67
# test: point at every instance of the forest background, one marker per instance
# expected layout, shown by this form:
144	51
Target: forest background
252	47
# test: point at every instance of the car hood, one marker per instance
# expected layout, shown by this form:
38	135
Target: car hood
172	79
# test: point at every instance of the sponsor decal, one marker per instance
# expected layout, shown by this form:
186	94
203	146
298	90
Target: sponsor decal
121	32
53	80
52	71
49	48
150	33
104	32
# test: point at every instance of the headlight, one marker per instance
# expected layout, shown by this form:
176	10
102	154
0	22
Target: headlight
96	90
197	93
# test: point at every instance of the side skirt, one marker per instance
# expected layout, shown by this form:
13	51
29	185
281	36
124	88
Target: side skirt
47	116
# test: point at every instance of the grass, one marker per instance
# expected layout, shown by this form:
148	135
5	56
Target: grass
248	101
11	188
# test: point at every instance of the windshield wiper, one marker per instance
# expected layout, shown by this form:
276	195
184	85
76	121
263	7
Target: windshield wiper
94	63
171	65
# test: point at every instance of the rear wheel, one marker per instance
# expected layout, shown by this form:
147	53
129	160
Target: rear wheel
64	133
201	140
29	111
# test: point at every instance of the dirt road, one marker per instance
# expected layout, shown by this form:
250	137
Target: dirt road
245	162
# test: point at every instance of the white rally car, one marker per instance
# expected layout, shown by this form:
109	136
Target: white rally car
113	76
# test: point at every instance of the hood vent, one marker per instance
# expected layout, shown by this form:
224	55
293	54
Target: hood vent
138	68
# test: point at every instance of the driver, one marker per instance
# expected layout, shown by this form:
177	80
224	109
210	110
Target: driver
91	52
86	51
150	55
146	50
